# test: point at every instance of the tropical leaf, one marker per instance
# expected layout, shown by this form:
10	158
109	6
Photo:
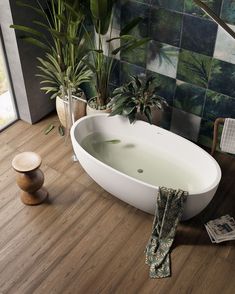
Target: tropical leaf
136	44
124	37
37	10
90	65
41	24
35	42
116	110
132	24
49	89
99	8
27	30
147	112
127	110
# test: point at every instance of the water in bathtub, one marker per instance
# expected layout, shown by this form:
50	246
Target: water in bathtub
142	161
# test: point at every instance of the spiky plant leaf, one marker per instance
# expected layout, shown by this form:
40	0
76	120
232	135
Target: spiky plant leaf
132	24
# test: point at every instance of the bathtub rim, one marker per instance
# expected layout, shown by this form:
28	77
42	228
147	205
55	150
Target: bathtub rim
197	193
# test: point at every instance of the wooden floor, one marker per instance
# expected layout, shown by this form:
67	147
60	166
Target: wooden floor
86	241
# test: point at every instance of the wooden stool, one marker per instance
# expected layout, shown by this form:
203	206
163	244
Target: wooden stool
30	178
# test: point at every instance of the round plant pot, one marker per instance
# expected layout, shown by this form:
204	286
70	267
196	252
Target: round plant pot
79	109
156	116
92	107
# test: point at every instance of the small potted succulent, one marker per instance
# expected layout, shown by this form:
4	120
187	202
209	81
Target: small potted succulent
138	99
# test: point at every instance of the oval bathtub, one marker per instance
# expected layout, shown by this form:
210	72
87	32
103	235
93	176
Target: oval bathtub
132	161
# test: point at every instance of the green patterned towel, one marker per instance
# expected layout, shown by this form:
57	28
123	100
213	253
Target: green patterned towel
169	210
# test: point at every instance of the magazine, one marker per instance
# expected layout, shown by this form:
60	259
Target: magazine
221	229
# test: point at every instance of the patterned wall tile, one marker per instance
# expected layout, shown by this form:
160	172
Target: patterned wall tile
189	98
228	11
185	124
194	68
165	26
177	5
115	73
222	79
186	45
192	8
206	133
137	56
144	1
166	86
131	10
128	69
166	118
162	58
225	46
117	16
218	105
198	35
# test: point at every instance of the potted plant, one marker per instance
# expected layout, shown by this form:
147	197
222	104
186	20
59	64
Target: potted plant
138	99
62	36
103	52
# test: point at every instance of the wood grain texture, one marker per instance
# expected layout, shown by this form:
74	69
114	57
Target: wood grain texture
83	240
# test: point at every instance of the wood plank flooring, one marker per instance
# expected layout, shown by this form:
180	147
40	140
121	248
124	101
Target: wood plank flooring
84	240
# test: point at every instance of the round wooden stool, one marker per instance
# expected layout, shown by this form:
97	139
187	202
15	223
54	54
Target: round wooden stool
30	178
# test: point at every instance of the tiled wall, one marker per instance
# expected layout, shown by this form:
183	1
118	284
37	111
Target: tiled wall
193	59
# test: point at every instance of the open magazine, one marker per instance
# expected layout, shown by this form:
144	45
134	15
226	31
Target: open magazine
221	229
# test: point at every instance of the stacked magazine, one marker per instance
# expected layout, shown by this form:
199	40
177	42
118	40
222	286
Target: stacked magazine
221	229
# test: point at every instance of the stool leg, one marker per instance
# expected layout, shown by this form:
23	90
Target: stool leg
34	199
31	185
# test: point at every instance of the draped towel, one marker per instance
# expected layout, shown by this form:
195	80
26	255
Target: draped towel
227	142
169	210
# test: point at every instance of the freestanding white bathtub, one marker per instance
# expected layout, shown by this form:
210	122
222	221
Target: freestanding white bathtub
167	158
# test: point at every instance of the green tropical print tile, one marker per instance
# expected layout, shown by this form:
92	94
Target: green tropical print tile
218	105
198	35
191	8
136	56
189	98
115	73
117	16
144	1
185	124
162	58
194	68
131	10
128	69
166	118
222	78
177	5
166	26
228	11
193	61
224	46
206	133
166	86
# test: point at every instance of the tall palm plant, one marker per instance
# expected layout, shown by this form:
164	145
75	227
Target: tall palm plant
102	63
60	33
